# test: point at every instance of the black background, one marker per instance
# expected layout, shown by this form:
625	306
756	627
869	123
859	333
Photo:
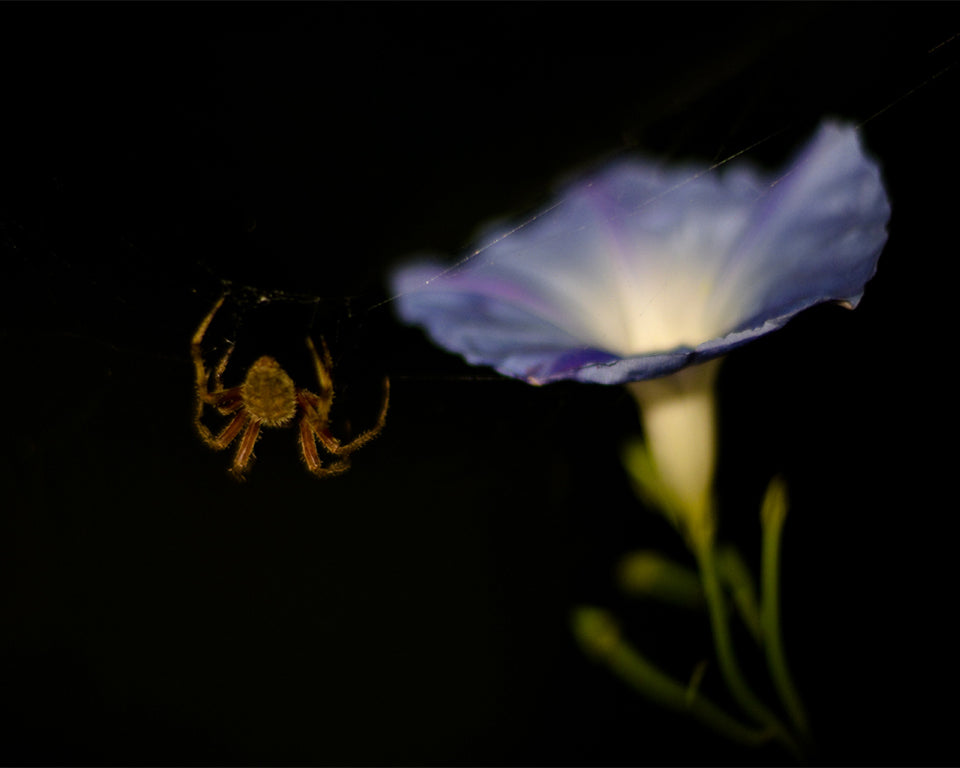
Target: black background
414	611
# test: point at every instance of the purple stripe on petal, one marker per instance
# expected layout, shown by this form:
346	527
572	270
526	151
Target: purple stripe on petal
640	270
816	236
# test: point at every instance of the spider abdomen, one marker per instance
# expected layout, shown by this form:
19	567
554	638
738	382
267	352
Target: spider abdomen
269	393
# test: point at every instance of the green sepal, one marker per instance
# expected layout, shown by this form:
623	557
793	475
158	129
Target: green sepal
646	573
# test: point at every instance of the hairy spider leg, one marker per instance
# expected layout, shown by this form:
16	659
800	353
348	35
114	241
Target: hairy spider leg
226	401
325	396
311	405
202	329
221	367
227	435
203	376
365	437
318	425
316	416
309	448
245	451
324	400
196	350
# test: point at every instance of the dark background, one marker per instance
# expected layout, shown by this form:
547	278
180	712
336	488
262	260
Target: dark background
414	611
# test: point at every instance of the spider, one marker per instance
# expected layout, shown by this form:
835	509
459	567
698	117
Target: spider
269	398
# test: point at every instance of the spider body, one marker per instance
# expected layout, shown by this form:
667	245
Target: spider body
269	394
268	397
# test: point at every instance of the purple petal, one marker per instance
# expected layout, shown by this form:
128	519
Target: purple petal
816	236
639	271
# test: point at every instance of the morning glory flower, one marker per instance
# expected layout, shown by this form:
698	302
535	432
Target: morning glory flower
645	275
640	270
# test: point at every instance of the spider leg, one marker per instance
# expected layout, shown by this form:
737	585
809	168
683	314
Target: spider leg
364	437
196	350
221	366
323	367
308	435
245	451
316	410
202	329
318	424
227	435
226	402
312	407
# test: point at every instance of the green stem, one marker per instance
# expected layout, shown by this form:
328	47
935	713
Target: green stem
736	577
599	635
772	515
703	546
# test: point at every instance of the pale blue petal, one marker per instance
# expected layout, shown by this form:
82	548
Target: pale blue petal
640	270
491	324
816	236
